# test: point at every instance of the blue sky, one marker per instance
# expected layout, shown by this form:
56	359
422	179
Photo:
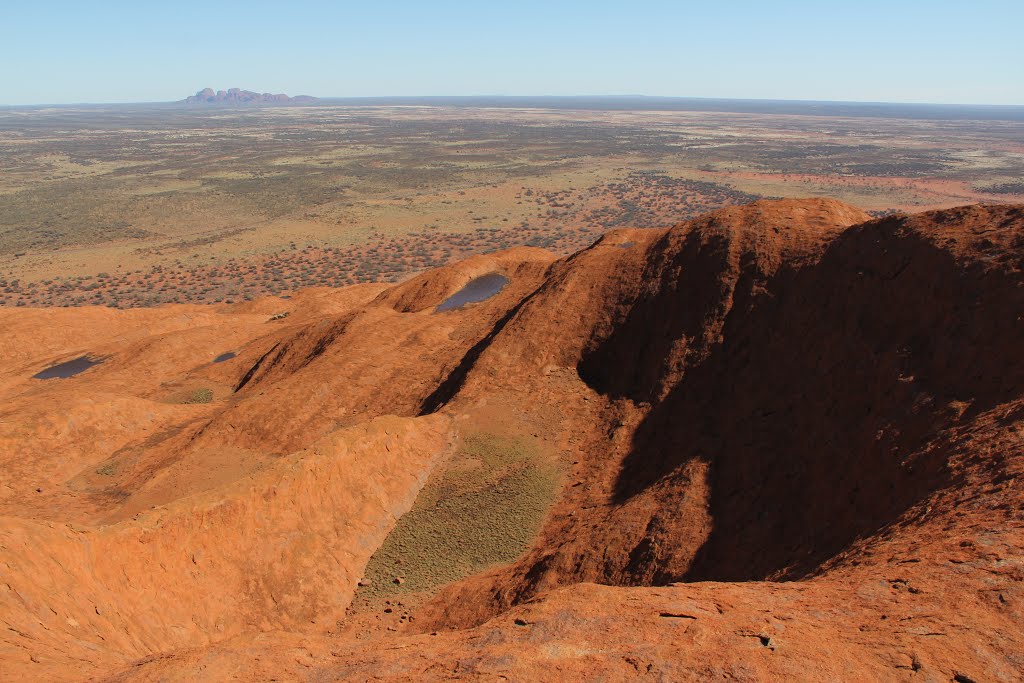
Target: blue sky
899	51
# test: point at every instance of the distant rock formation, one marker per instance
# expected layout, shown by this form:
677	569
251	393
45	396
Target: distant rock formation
239	96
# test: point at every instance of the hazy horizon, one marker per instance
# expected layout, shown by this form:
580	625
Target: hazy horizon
118	52
328	99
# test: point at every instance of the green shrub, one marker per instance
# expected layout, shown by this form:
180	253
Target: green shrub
201	395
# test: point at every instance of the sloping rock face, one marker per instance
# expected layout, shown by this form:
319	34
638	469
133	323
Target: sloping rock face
790	440
241	557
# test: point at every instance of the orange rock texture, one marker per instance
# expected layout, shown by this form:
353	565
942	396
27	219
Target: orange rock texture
787	443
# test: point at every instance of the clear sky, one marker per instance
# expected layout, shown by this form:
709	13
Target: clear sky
866	50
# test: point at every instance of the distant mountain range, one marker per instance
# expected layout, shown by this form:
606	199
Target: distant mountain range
239	96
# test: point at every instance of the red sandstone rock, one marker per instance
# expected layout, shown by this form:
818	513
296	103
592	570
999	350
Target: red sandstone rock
792	441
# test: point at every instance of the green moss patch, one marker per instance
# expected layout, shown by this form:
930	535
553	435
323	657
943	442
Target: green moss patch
483	509
201	395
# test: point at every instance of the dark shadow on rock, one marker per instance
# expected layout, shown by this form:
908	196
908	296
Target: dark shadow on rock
823	410
680	290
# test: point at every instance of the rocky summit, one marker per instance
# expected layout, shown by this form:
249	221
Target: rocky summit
781	441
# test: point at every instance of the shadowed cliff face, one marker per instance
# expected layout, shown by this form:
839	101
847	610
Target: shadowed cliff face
673	312
817	416
830	406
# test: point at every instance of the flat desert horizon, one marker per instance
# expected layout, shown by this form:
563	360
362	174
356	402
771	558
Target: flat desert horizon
130	206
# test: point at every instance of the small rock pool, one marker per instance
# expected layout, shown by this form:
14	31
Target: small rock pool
477	289
68	368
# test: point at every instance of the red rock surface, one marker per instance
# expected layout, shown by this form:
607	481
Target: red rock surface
790	441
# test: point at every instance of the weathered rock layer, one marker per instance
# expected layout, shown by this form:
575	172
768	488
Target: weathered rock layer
790	440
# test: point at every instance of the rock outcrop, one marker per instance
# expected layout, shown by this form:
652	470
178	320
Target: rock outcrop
239	96
788	439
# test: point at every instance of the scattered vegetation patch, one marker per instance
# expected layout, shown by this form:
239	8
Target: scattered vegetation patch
482	510
107	470
413	190
200	395
1005	188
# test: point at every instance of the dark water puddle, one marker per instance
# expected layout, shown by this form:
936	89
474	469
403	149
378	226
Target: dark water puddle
225	356
68	368
478	289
